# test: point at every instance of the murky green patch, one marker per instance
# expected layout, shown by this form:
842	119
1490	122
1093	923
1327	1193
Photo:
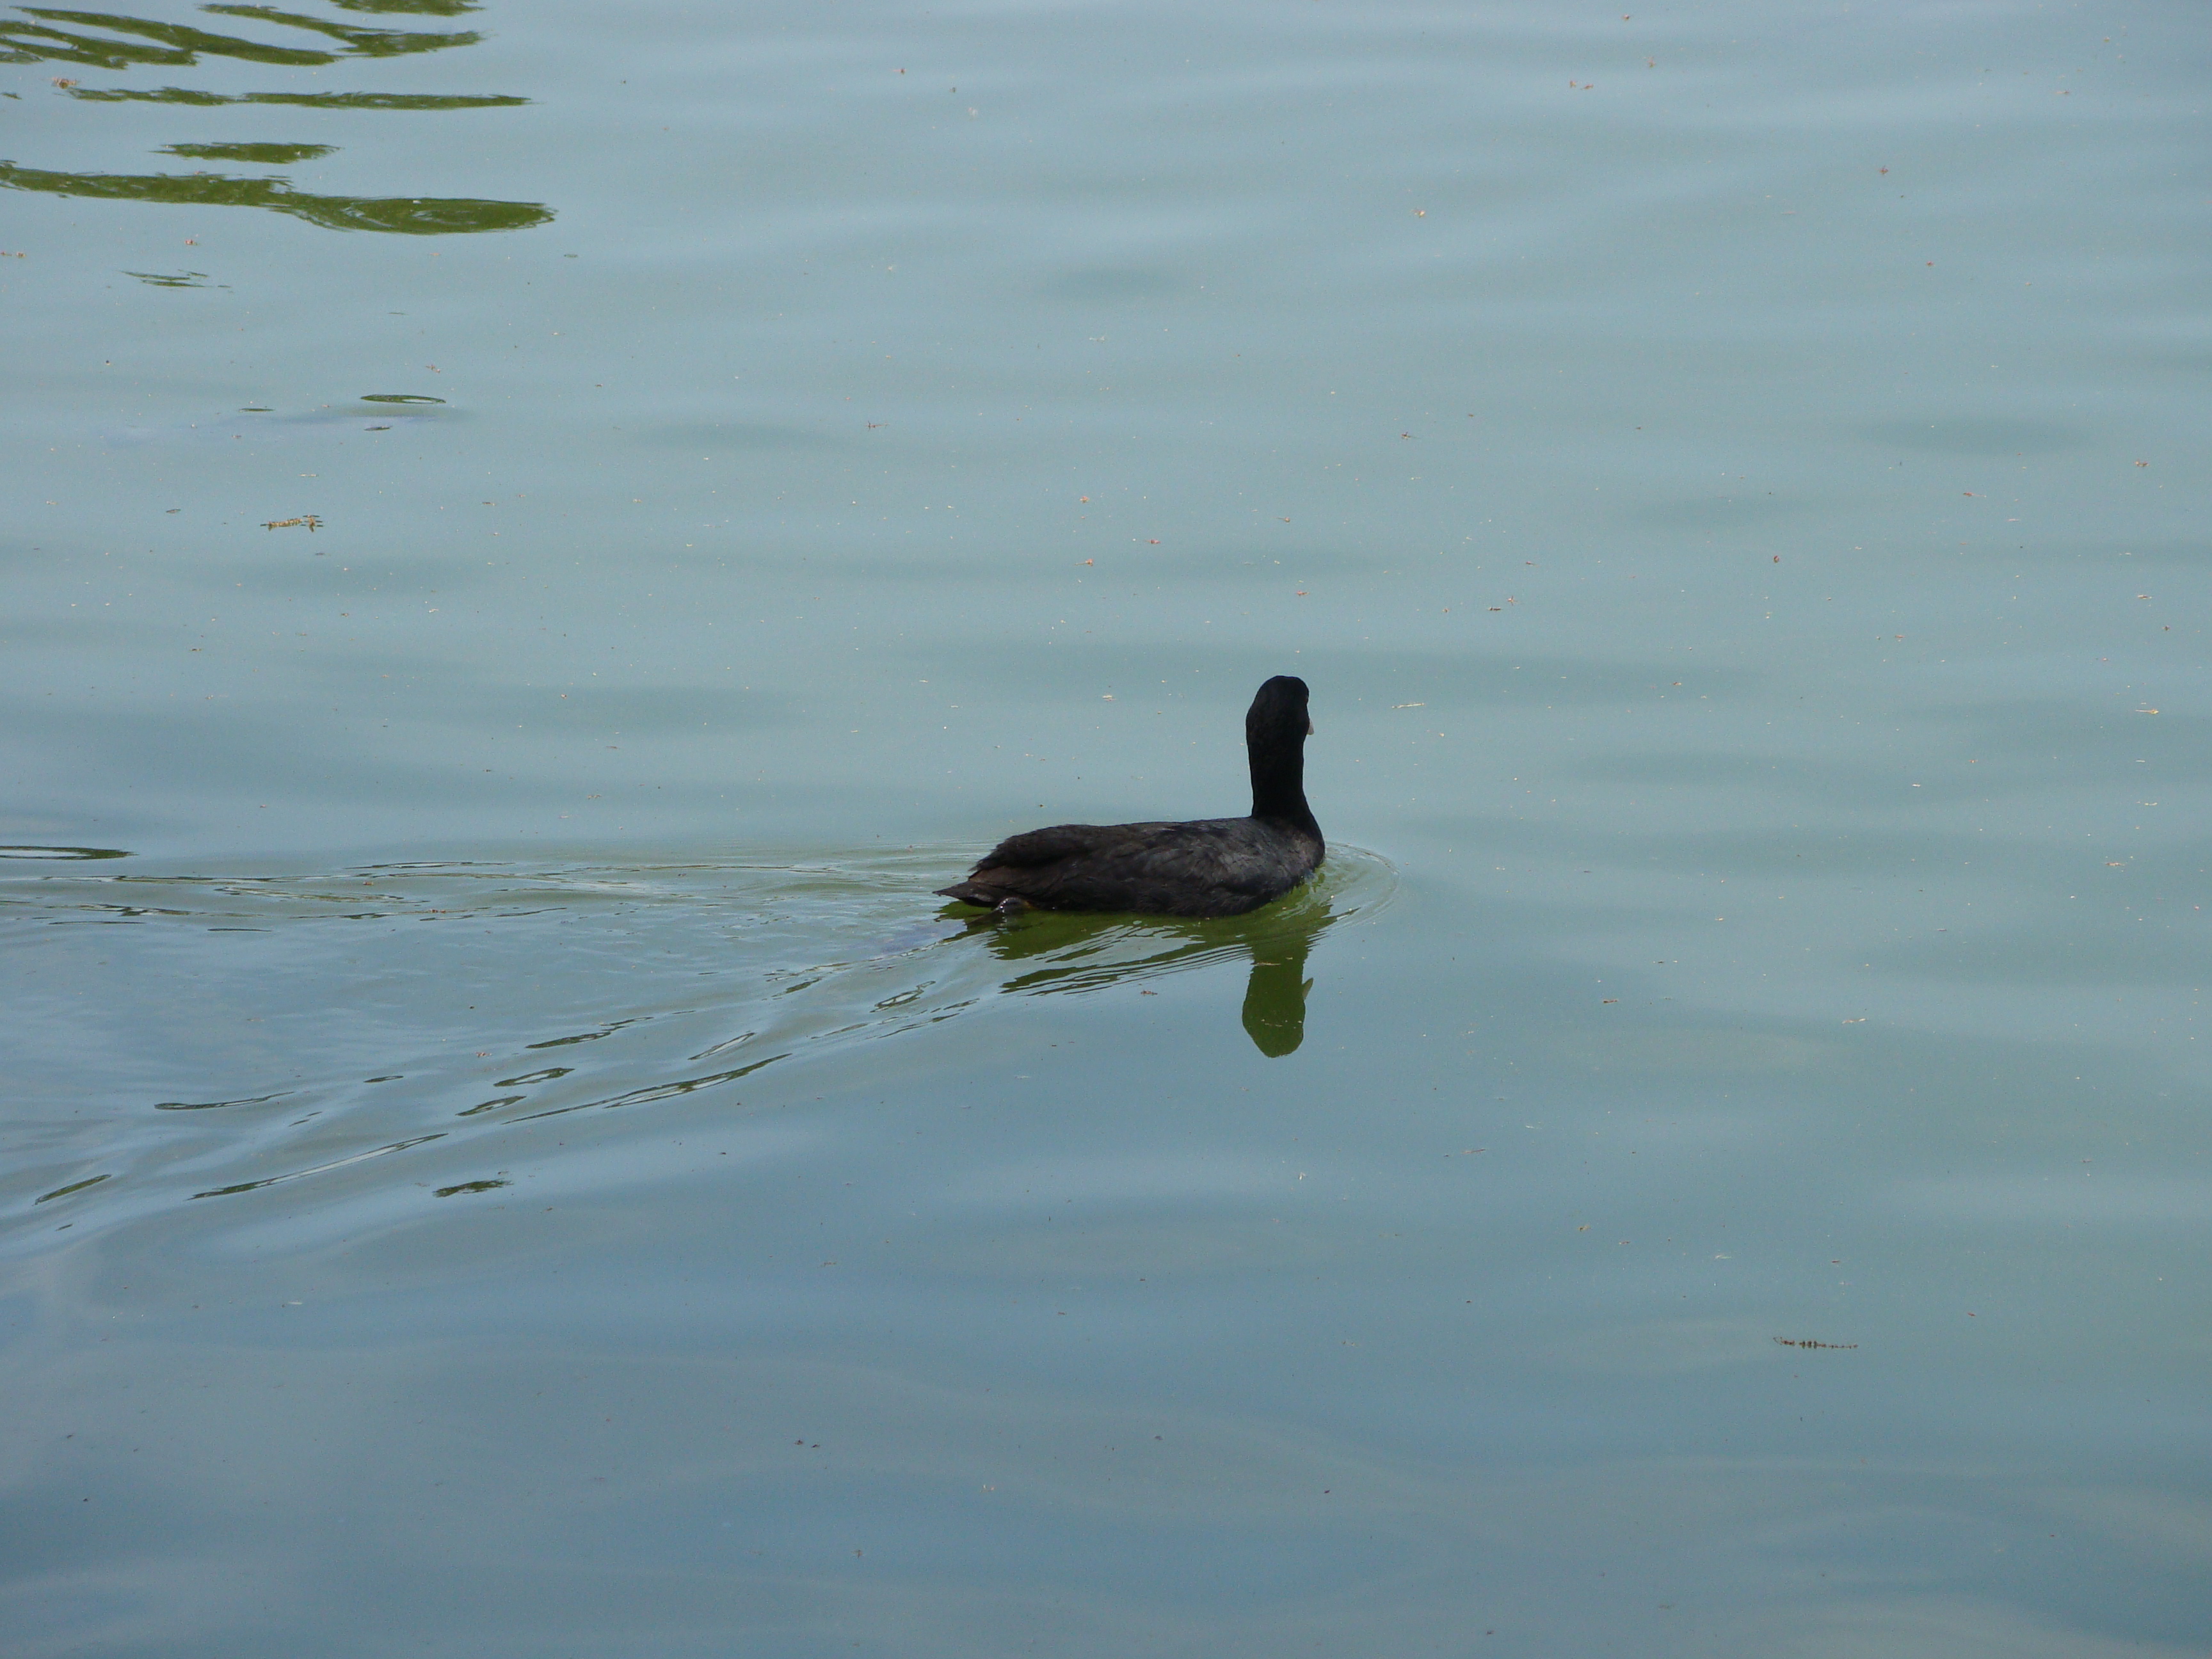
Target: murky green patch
275	154
410	216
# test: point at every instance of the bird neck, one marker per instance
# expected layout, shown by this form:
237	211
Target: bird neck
1279	790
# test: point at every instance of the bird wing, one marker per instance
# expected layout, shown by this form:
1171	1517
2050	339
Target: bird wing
1047	845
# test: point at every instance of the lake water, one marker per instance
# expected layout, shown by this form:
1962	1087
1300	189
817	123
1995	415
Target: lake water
505	1155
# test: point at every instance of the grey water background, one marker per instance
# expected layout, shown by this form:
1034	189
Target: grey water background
514	1160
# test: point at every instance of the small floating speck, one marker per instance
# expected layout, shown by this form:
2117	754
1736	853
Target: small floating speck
470	1187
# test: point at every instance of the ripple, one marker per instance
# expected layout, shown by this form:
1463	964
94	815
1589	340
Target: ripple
590	987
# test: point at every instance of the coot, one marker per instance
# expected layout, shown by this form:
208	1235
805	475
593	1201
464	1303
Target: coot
1208	867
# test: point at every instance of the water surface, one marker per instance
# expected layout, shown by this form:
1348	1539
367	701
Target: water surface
542	536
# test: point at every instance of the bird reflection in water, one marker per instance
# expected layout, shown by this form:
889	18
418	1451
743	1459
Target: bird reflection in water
1074	954
1275	995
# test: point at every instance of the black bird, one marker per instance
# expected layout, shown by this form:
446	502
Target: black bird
1208	867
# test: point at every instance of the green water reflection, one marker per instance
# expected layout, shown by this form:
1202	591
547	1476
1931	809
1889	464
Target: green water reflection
74	1187
180	44
422	8
296	99
28	43
414	216
274	154
367	43
52	33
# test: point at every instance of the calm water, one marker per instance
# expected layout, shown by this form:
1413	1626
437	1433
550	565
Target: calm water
542	533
